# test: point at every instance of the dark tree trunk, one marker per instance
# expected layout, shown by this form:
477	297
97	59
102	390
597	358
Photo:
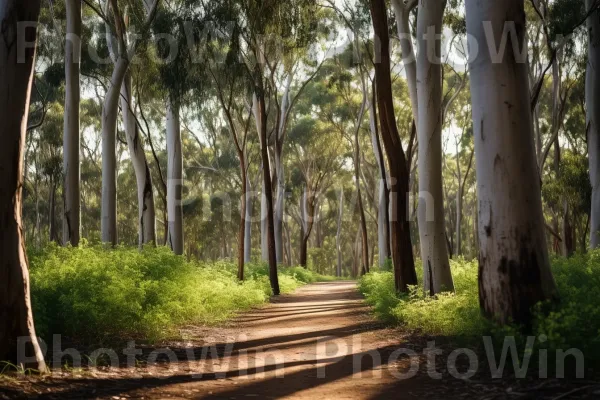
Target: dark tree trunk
304	251
242	228
268	194
16	72
402	251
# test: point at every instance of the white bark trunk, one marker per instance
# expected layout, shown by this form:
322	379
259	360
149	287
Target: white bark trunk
279	170
592	97
383	231
110	112
71	171
402	12
174	179
434	251
514	269
16	76
146	211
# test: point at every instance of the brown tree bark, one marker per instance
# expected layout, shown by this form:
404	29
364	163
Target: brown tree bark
402	252
16	74
267	184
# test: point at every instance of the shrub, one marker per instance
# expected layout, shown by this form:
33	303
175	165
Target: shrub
90	293
573	322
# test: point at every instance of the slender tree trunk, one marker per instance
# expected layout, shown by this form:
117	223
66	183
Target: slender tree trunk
174	179
146	210
71	169
402	12
110	112
383	216
434	253
244	215
402	252
338	235
248	224
459	206
592	100
514	269
361	210
52	228
259	101
16	75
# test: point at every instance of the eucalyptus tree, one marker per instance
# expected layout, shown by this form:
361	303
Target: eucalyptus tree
592	100
317	155
264	29
71	137
514	268
16	76
230	92
121	49
434	252
402	252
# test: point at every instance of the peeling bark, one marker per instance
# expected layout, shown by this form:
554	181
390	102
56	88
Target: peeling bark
514	269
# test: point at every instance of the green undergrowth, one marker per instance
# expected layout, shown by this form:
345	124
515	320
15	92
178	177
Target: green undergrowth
95	295
573	322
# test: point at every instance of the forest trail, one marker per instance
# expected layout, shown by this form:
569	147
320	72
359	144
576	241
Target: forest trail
312	344
319	343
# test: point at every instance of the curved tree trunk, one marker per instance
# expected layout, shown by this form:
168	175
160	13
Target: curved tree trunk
110	112
592	100
146	211
16	75
434	252
514	269
174	179
402	252
71	168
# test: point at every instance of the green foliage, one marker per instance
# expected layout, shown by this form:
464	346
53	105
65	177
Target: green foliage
90	293
572	323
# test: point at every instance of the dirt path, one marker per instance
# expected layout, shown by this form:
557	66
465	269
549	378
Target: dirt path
319	343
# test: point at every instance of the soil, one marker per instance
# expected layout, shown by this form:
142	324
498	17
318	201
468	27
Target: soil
318	343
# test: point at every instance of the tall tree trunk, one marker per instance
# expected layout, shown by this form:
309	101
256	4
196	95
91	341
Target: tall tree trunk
71	170
146	210
243	215
174	179
402	252
592	100
16	75
361	210
52	228
110	112
338	235
261	113
434	253
248	223
402	12
383	216
514	269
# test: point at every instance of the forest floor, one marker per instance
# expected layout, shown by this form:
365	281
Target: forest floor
318	343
